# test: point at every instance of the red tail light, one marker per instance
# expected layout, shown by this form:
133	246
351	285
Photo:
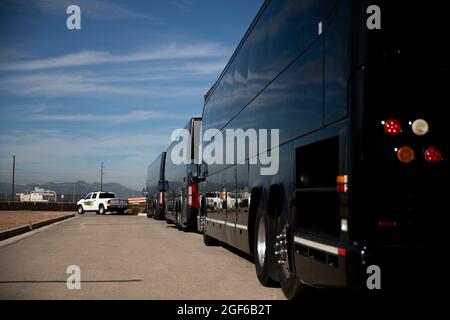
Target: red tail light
195	195
387	224
392	127
433	155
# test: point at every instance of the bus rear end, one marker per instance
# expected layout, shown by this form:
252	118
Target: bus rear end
400	170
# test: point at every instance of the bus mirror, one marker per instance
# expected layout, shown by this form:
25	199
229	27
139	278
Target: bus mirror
163	185
193	171
203	172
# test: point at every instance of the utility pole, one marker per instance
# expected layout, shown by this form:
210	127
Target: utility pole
13	178
101	178
73	194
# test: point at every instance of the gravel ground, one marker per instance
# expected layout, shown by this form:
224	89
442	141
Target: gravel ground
14	219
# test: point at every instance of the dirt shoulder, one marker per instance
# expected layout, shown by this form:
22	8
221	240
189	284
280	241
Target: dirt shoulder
14	219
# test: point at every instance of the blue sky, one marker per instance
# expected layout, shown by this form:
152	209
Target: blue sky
112	91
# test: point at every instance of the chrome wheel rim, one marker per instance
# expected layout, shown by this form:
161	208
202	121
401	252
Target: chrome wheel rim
261	241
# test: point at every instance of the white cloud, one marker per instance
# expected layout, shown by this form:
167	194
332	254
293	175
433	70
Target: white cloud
84	58
68	84
91	9
133	116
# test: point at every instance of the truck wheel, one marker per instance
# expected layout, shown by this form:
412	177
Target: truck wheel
101	209
80	210
262	248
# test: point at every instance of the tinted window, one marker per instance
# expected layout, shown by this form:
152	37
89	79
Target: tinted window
106	195
282	33
337	56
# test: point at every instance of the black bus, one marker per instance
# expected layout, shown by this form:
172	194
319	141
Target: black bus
362	153
155	188
182	193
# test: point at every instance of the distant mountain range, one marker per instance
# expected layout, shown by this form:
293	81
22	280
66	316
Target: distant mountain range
66	188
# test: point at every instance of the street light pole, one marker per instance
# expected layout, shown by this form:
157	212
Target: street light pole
73	194
13	178
101	178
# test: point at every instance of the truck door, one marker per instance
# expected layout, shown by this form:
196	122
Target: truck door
95	201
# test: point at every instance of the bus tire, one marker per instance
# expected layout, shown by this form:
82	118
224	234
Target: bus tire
290	284
262	248
208	240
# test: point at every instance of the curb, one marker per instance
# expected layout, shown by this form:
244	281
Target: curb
19	230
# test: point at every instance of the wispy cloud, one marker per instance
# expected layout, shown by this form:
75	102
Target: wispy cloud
91	9
8	53
68	84
85	58
133	116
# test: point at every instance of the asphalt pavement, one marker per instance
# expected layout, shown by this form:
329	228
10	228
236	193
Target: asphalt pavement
124	257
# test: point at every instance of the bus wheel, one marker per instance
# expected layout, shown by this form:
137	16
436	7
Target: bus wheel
262	250
179	225
208	240
284	252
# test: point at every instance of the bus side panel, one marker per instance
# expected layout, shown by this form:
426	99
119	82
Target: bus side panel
319	207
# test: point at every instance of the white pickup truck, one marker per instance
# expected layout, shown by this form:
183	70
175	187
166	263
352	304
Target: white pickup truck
102	202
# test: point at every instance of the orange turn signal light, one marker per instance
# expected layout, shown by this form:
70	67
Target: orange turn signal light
342	179
405	154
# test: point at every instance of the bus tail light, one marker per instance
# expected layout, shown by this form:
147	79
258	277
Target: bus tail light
387	224
195	196
342	183
420	127
405	154
433	155
392	127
